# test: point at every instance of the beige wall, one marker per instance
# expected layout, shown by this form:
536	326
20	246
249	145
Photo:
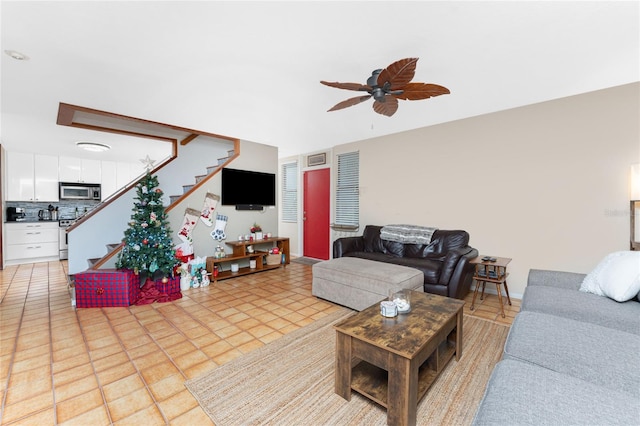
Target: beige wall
546	184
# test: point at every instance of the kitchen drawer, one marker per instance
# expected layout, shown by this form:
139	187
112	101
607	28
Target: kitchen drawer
26	226
34	234
31	251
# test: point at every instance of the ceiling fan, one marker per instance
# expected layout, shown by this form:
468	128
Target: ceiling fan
388	85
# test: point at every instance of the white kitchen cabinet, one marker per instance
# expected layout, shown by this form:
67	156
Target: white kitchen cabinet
80	170
26	242
109	180
116	175
126	172
31	177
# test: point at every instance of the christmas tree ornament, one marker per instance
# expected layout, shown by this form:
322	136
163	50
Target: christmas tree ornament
210	204
148	163
188	223
221	223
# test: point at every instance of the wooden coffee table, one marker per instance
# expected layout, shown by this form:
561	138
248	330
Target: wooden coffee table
394	361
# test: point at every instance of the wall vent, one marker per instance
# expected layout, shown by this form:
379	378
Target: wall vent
317	159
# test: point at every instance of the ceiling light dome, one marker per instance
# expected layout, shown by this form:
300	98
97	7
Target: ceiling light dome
93	146
16	55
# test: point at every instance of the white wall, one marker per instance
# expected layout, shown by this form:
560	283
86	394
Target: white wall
546	184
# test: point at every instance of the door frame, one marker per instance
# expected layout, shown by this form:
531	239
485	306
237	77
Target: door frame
301	212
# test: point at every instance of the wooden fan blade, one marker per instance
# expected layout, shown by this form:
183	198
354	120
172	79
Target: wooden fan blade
349	102
388	107
347	86
398	74
417	91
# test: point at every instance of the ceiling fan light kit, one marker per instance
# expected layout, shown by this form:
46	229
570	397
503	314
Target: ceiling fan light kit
388	85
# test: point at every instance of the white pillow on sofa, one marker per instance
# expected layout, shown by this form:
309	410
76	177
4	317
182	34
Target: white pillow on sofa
617	276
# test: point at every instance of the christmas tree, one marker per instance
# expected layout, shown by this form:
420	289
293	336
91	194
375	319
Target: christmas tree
148	246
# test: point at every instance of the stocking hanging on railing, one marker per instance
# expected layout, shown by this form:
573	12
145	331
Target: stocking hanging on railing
210	204
189	221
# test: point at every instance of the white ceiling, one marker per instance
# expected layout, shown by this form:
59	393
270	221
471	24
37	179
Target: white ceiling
252	69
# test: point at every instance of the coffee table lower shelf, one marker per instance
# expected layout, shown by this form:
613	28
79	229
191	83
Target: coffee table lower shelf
372	382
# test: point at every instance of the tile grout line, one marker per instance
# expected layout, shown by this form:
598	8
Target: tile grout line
53	392
15	271
15	343
93	367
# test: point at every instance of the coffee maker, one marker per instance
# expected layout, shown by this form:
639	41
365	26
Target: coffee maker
16	214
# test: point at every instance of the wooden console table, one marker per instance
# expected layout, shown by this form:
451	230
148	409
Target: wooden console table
240	253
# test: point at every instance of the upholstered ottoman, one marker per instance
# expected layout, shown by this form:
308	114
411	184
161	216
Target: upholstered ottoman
359	283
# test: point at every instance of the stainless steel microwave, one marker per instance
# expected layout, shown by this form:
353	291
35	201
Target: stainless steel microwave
79	191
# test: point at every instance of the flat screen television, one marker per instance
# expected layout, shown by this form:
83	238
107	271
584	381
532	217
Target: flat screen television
248	190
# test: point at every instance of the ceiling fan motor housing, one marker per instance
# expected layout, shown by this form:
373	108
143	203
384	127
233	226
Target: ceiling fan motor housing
378	94
373	80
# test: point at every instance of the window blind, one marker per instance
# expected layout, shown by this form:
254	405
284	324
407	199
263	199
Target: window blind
347	190
290	192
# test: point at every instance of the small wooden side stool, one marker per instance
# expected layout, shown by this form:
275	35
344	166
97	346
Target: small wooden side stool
494	270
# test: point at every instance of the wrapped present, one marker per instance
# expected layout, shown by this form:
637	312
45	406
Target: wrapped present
184	254
106	288
170	287
157	291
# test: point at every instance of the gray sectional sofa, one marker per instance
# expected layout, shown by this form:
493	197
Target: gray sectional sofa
571	358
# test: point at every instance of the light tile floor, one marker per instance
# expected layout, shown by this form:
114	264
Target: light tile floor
120	366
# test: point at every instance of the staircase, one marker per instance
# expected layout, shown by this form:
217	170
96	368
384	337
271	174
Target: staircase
211	170
113	249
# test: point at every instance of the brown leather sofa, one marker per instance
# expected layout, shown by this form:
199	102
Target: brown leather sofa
444	262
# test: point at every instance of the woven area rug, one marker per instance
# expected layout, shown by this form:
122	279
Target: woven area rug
291	382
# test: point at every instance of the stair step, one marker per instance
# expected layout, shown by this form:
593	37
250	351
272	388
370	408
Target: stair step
222	160
187	188
174	198
112	247
93	261
211	169
200	178
231	153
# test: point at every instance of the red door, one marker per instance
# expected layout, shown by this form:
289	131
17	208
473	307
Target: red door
315	214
